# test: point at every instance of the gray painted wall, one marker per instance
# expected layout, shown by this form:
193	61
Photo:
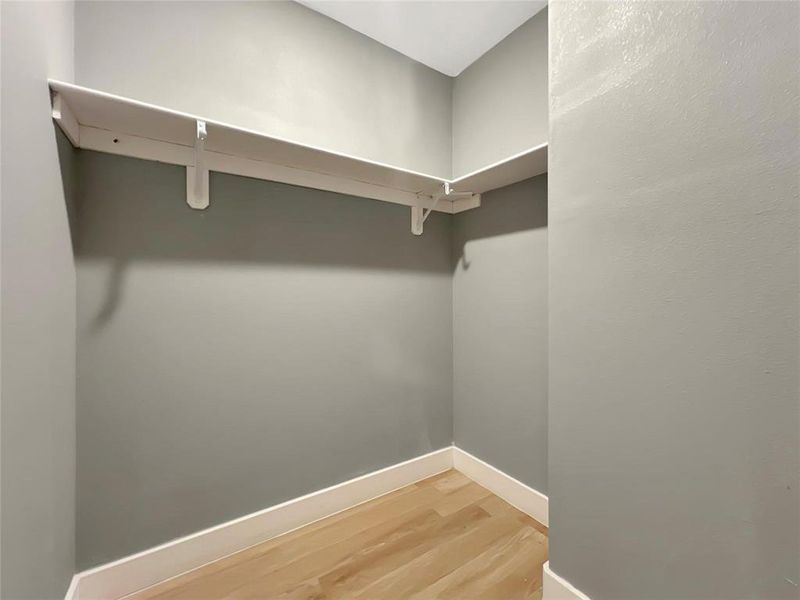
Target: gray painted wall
38	309
284	340
673	440
278	67
282	314
500	101
500	331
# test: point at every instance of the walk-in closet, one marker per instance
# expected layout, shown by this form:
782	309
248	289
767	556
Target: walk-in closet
392	300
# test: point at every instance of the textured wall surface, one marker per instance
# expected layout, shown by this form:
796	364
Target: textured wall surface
673	245
283	341
500	331
38	309
277	67
500	101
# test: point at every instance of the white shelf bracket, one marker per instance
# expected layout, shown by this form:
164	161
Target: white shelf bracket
419	214
66	120
197	176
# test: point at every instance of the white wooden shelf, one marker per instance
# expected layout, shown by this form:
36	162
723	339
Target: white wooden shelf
516	168
105	122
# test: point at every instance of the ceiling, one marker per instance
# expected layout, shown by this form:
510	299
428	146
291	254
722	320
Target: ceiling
446	35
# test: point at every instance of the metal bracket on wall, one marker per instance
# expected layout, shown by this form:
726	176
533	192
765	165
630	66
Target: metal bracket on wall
197	176
419	214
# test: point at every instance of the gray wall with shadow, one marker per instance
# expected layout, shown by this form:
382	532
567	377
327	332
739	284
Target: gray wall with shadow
500	330
282	341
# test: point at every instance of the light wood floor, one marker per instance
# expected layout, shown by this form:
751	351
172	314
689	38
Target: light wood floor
444	537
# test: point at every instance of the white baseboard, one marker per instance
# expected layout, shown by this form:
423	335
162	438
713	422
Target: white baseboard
72	591
516	493
558	588
142	570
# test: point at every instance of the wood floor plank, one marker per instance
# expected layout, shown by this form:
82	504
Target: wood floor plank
495	505
282	550
445	537
506	569
270	575
461	498
301	557
329	557
159	591
444	558
433	480
451	481
363	569
308	590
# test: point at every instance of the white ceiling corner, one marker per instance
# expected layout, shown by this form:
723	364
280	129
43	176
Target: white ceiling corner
446	35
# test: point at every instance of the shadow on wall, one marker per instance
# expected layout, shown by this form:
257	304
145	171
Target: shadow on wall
280	342
518	207
135	210
68	163
500	315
